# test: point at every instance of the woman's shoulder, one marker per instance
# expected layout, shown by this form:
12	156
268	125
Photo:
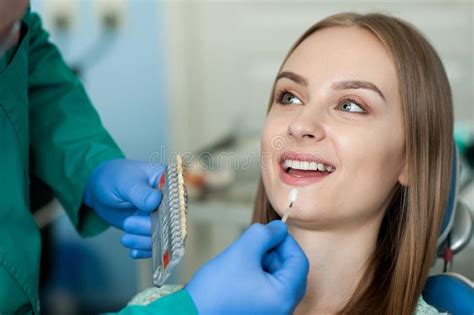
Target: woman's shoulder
423	308
151	294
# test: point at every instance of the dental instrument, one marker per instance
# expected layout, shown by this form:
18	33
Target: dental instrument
291	200
169	222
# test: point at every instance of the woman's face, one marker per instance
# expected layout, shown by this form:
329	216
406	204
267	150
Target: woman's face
337	109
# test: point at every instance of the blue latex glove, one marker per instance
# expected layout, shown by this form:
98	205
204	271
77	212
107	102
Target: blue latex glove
263	272
123	193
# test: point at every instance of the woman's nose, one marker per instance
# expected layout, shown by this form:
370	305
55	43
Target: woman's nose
307	125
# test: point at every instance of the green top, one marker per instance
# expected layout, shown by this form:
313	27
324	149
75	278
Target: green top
6	58
169	299
423	308
50	130
167	293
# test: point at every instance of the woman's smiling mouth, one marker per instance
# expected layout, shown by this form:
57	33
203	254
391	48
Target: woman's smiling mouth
300	169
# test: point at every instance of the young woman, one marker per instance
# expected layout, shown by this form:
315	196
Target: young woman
365	100
360	123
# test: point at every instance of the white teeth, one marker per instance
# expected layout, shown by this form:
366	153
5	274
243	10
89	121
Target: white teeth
306	165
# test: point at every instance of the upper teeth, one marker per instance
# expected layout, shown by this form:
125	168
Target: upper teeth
306	165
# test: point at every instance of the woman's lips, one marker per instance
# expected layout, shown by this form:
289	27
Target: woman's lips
299	177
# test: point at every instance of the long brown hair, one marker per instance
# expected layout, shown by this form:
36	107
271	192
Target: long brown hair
408	234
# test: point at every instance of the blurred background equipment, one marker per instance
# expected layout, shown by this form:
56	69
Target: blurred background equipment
194	77
449	291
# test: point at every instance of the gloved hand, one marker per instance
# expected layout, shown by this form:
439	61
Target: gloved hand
123	193
263	272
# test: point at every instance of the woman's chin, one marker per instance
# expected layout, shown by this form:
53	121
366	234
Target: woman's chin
312	220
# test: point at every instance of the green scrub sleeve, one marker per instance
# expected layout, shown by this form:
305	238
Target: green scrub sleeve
67	139
179	302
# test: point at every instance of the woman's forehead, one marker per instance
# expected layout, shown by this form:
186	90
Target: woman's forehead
343	53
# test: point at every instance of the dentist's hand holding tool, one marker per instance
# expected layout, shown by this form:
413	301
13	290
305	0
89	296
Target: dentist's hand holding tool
263	272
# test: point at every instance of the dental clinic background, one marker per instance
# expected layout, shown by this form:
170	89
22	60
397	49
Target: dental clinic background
194	77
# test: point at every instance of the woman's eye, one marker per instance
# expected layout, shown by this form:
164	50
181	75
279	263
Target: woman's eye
288	98
350	106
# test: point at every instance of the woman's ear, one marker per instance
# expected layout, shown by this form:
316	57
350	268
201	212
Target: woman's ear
403	178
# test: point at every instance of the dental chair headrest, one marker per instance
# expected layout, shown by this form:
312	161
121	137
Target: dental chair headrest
450	292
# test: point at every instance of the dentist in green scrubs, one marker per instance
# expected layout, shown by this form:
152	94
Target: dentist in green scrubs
50	130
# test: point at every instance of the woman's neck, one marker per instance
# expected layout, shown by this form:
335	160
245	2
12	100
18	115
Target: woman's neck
337	263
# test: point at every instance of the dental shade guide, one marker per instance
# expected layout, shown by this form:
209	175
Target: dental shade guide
169	222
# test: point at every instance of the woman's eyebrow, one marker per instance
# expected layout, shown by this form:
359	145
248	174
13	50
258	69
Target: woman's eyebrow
348	85
342	85
293	77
